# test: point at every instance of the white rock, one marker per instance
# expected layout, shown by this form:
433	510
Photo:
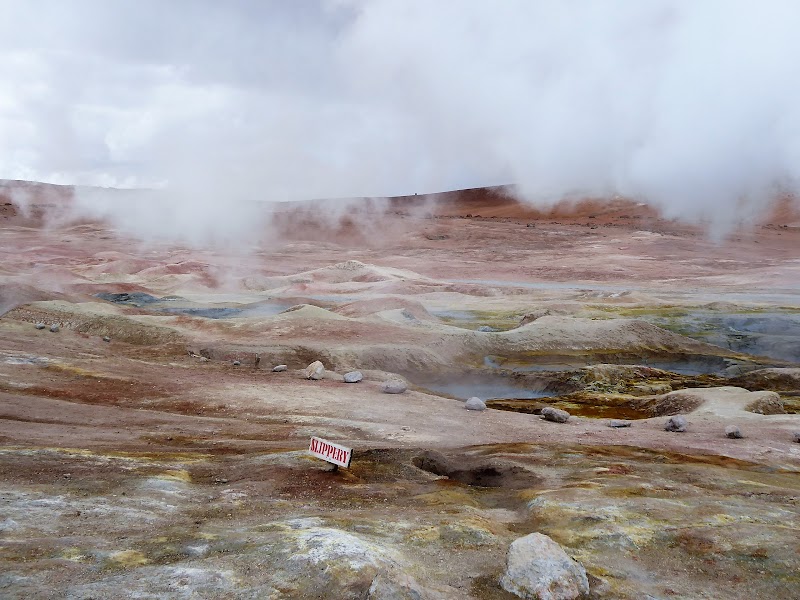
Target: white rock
316	370
475	403
394	386
353	377
538	569
279	368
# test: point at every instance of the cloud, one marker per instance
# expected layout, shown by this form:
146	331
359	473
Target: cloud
690	106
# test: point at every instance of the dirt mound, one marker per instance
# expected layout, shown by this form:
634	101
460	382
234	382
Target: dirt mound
362	308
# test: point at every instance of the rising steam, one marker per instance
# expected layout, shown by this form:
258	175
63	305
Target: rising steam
691	106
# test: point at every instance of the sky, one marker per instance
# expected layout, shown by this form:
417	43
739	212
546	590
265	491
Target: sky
689	105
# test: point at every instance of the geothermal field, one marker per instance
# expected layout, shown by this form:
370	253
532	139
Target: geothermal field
149	447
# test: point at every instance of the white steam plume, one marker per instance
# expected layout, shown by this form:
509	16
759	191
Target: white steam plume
687	105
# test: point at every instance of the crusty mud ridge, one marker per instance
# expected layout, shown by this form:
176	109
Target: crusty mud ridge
590	402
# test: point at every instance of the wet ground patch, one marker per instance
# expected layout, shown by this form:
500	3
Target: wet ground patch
485	386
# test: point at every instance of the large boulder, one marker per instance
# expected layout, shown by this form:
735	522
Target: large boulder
538	569
316	370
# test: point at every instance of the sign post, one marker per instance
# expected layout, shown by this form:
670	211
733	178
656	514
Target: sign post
333	453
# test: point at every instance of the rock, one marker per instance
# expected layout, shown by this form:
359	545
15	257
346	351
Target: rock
40	326
106	338
394	386
475	403
796	436
556	415
315	371
237	363
486	329
279	368
353	377
54	328
677	424
616	423
732	431
537	568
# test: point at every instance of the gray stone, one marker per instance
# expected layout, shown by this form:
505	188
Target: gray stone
394	386
732	431
617	423
279	368
556	415
475	403
54	328
486	329
315	371
353	377
796	436
538	568
237	363
106	338
676	423
40	326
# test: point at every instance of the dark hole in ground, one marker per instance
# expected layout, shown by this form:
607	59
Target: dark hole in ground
476	472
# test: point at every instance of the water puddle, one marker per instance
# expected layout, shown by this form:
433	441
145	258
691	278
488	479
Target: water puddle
773	334
177	305
684	365
486	387
250	311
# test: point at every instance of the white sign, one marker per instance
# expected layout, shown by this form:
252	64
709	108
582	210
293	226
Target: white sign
333	453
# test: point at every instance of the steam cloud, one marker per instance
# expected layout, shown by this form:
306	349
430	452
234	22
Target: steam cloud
688	105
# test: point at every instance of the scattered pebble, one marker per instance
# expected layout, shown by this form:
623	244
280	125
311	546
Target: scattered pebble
40	326
732	431
556	415
54	328
475	403
677	424
106	338
279	368
394	386
315	371
237	363
617	423
796	437
406	428
353	377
